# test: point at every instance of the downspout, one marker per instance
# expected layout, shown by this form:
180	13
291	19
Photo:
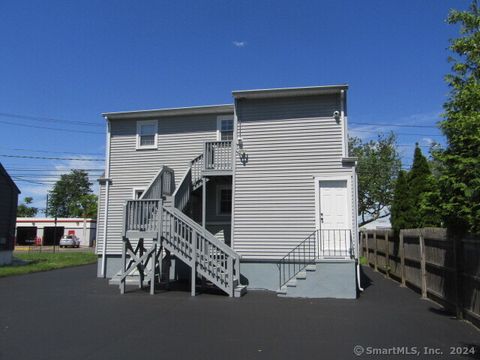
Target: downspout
344	114
357	253
107	189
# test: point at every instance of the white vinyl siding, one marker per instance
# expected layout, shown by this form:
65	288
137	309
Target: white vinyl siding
287	141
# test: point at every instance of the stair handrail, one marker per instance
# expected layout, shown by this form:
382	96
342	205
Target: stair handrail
197	167
139	215
297	259
202	250
181	195
162	184
207	234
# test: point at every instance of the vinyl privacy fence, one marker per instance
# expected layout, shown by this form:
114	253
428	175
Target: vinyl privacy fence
443	268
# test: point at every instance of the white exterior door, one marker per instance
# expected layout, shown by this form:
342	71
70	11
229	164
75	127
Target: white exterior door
333	221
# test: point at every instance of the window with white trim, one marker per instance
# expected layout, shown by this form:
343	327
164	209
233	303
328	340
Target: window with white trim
147	134
225	128
224	200
137	193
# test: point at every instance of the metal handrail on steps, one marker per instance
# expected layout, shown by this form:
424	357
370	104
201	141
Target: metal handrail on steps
320	244
298	259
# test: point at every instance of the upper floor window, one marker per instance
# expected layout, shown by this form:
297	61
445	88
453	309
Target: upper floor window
225	128
147	134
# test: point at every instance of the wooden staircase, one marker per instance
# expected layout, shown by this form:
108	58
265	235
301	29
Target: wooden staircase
161	230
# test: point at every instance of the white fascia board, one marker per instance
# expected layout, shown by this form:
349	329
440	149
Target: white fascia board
284	92
195	110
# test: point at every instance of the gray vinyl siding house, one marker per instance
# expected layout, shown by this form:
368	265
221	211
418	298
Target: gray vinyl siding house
268	177
8	215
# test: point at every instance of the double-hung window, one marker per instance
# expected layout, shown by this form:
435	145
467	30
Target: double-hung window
147	134
225	128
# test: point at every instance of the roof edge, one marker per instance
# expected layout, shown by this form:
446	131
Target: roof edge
193	110
290	91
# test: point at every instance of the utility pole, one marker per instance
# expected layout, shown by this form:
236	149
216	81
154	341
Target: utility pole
55	232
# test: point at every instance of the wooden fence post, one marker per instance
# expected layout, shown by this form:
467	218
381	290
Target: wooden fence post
458	273
387	255
367	248
402	259
375	250
362	253
423	264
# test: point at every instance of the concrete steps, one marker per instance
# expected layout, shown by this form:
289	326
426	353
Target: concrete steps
332	279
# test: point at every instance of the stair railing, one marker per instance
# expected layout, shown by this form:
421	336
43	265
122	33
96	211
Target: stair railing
335	243
218	155
196	246
181	195
197	167
298	259
139	215
162	184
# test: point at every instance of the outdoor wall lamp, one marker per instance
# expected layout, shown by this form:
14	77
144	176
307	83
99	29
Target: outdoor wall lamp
336	115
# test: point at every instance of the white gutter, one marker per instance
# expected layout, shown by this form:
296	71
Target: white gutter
107	188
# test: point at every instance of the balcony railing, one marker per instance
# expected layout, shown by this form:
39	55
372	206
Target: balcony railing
218	156
335	243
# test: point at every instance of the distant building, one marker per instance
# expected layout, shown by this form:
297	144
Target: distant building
383	223
8	213
42	231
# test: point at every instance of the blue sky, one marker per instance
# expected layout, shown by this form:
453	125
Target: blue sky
73	60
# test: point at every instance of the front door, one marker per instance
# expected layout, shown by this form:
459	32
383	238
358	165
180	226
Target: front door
334	218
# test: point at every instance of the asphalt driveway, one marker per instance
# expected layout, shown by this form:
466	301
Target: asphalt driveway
70	314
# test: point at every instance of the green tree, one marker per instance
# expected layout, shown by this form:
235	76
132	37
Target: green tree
88	204
459	183
71	196
401	214
421	187
377	168
24	210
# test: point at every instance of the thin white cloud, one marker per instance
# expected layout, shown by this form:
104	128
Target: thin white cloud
239	44
428	141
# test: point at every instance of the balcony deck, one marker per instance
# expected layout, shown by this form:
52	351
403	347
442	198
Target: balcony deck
218	158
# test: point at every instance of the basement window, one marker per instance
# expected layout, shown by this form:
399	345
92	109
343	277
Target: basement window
224	200
147	134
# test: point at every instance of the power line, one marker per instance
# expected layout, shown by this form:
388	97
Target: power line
51	172
40	118
412	134
47	158
49	151
395	125
413	145
16	178
50	128
45	169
